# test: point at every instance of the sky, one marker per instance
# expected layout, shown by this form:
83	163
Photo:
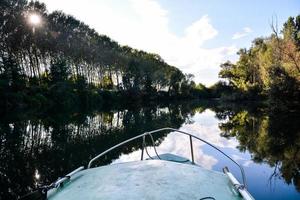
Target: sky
194	35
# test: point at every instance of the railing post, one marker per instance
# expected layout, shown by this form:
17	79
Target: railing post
192	151
143	145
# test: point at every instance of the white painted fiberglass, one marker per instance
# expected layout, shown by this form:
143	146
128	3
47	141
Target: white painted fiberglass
148	179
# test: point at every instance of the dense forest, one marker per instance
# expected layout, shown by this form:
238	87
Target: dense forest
269	69
63	62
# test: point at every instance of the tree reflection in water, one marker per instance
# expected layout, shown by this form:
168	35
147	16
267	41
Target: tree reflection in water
271	137
36	149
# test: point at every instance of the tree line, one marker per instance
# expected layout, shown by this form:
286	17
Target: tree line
63	56
269	69
62	61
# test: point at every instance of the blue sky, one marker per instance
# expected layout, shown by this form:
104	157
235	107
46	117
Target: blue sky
193	35
230	16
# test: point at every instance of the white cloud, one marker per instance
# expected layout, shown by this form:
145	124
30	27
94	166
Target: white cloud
144	24
246	31
245	162
200	31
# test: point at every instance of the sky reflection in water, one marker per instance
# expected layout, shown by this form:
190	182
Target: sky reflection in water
206	126
265	143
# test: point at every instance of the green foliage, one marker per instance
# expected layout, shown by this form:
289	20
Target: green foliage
59	71
283	86
291	29
65	61
271	67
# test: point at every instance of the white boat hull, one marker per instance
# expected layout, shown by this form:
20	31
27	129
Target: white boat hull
147	179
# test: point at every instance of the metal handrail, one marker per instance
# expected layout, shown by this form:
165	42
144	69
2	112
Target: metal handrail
175	130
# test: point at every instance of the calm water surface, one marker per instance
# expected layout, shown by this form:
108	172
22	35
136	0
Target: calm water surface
38	148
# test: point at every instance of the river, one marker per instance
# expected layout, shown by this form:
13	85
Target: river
36	148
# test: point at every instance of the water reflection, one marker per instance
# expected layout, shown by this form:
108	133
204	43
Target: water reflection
204	125
38	148
273	139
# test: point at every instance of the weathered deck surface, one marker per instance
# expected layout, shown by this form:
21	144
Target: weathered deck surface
148	179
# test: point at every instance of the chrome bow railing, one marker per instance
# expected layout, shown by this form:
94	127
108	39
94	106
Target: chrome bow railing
174	130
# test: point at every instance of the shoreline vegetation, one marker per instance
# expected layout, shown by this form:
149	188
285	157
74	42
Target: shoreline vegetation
63	63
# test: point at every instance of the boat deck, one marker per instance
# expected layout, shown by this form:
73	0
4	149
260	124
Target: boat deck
147	179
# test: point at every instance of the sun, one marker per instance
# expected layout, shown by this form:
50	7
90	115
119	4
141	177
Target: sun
34	19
